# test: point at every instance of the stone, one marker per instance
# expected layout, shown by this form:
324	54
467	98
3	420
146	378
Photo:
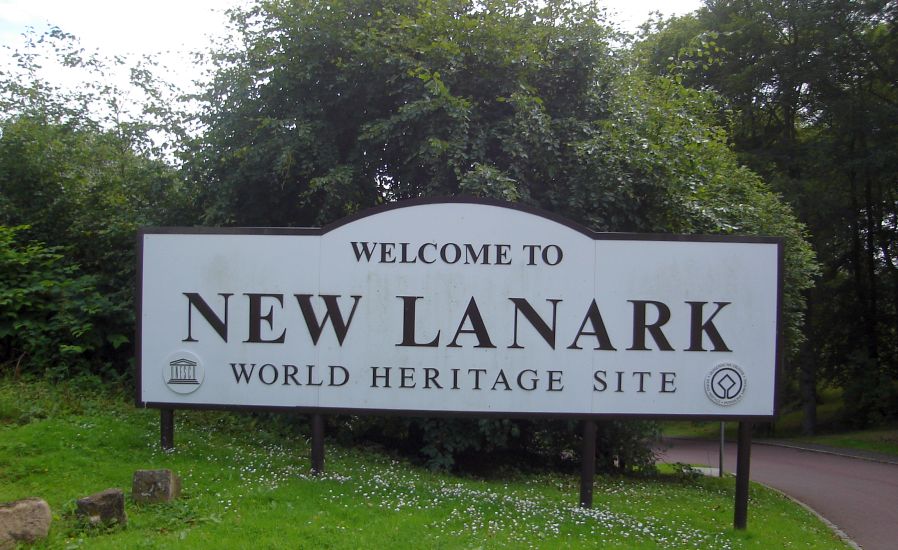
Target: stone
105	507
26	520
152	486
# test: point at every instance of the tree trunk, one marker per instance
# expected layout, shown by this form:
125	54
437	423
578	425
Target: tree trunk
858	257
871	250
807	379
861	256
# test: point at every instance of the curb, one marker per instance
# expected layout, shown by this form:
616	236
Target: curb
835	451
843	536
838	532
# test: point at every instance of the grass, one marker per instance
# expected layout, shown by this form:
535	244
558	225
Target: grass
877	440
247	486
830	427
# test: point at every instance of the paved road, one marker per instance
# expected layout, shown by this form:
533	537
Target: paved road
859	496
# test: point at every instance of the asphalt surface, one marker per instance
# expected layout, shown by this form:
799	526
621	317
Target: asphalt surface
860	497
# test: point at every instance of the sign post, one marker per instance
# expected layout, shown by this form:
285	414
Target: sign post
743	465
458	307
167	428
317	444
722	443
588	465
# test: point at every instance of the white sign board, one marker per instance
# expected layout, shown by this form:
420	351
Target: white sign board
459	307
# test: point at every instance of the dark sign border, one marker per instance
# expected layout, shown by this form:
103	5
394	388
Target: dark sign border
317	231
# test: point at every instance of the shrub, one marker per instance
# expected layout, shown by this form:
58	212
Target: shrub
49	310
482	443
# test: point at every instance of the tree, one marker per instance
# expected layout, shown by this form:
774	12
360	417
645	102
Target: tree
82	174
51	316
322	108
811	88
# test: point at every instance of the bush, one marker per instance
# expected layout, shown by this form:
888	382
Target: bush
870	393
49	310
521	101
477	444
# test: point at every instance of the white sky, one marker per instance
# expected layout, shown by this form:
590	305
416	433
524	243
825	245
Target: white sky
122	26
118	26
168	30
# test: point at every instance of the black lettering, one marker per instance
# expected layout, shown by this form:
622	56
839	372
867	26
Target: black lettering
404	255
523	306
698	328
290	372
559	255
599	380
242	375
406	374
501	379
667	380
478	328
333	379
274	377
477	373
531	251
386	253
534	380
456	250
620	382
194	300
640	326
385	377
474	256
455	378
408	324
333	313
594	317
256	318
430	377
502	254
642	375
421	250
310	369
554	378
363	249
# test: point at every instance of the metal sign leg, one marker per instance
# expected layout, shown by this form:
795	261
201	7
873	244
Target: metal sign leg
167	428
722	442
588	466
317	444
743	461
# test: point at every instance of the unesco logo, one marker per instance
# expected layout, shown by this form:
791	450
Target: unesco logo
183	372
725	384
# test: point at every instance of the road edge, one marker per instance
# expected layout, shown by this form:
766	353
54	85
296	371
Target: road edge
869	456
836	530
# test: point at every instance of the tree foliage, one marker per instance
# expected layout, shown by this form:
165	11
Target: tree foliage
319	109
50	314
811	89
82	174
324	108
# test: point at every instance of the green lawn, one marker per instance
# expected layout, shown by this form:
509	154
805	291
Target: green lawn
878	440
883	439
246	486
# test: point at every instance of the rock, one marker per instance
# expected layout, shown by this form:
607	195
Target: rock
23	521
151	486
104	507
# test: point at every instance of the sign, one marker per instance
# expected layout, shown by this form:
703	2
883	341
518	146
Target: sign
459	307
